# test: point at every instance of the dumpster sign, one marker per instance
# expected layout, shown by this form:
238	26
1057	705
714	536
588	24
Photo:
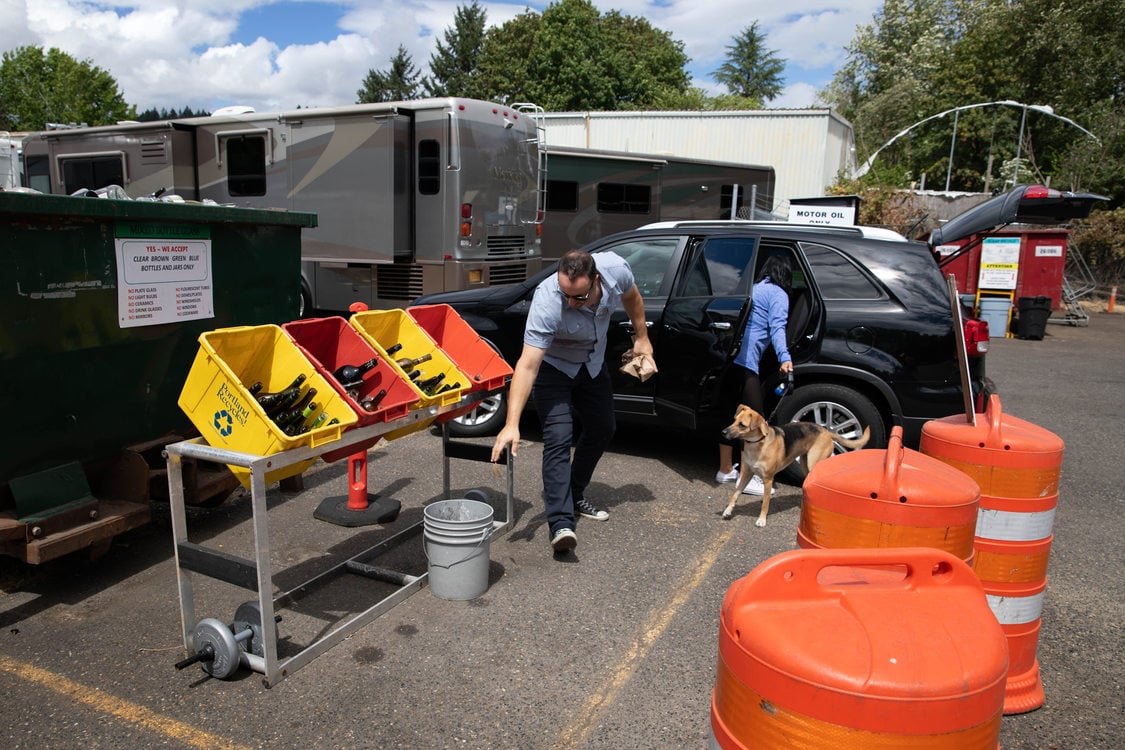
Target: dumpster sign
999	263
163	273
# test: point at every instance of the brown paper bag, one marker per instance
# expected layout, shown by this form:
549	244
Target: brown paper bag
639	366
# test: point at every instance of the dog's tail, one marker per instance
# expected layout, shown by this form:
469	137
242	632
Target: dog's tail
858	442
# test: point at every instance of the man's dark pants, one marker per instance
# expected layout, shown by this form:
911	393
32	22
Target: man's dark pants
561	401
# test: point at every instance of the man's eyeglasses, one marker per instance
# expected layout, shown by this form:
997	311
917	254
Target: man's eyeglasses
580	297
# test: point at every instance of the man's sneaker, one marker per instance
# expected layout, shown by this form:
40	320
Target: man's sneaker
587	509
727	477
564	540
754	486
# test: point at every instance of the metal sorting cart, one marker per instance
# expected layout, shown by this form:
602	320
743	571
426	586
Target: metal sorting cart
257	575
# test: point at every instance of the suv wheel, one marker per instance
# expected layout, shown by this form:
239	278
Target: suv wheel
836	408
486	418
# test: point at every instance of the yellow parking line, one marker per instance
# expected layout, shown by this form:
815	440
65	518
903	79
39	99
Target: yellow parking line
117	707
598	703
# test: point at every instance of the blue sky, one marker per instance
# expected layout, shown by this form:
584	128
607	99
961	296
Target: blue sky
278	55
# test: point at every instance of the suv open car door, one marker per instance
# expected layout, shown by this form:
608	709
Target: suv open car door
705	315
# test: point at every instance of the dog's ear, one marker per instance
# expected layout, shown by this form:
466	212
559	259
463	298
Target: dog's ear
758	423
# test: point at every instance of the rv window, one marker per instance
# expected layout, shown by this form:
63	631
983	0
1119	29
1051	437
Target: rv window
92	172
246	165
429	167
618	198
37	172
562	195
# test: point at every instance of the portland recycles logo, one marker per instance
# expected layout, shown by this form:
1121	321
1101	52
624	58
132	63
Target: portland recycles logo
223	422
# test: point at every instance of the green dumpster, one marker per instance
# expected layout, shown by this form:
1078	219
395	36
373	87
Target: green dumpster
103	302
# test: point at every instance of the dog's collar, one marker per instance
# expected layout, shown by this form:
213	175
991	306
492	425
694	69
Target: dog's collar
763	437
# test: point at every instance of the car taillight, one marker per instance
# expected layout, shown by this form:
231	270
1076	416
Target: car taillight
976	337
1040	191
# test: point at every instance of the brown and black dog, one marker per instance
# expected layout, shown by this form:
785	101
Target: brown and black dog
767	450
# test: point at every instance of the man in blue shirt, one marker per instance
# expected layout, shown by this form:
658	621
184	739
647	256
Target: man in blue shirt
562	366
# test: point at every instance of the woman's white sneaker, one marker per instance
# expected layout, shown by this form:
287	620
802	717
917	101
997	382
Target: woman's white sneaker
754	486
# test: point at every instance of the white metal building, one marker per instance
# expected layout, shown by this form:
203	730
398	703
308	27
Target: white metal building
807	148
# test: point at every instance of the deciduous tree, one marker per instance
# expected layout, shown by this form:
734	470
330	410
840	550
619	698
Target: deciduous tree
39	86
571	57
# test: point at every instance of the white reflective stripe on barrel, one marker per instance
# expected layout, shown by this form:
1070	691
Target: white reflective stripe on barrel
1016	610
1007	526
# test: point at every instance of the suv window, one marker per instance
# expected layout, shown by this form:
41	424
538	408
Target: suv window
649	260
837	277
723	269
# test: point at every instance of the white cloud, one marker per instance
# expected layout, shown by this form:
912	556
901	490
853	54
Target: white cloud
190	52
797	96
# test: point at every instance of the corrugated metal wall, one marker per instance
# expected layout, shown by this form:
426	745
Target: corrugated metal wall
806	147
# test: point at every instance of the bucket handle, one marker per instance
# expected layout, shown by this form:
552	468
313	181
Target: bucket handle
892	463
484	537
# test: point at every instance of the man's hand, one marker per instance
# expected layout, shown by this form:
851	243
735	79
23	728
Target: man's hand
509	437
641	345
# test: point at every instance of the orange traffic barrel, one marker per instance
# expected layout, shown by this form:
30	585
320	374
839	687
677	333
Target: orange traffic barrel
864	648
888	498
1017	465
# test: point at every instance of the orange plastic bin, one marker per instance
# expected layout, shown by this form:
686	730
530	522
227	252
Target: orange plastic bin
330	343
817	652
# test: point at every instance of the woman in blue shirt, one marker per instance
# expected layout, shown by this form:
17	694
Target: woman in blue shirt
769	314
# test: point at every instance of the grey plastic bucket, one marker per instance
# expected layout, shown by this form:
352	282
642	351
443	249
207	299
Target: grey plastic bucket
455	538
995	312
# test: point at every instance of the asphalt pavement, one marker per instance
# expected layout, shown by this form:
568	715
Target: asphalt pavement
613	647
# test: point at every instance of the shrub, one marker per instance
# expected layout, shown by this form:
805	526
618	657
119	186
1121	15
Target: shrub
1101	240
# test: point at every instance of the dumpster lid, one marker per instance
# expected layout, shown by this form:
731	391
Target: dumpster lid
134	210
1026	204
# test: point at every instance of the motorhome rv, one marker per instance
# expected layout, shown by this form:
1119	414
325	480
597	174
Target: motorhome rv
412	197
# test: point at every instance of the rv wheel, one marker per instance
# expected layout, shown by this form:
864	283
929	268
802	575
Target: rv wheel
306	303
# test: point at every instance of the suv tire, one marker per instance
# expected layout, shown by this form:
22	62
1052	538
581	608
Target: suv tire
485	419
836	408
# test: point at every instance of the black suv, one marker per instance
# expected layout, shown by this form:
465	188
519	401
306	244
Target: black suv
871	326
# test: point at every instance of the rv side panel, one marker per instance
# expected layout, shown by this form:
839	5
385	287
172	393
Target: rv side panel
592	195
142	159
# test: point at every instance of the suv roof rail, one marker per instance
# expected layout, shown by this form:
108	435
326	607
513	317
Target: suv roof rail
875	233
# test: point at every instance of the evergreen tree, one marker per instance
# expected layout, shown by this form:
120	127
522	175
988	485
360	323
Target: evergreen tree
400	83
453	66
751	71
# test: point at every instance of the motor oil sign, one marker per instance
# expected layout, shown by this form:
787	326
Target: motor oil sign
163	273
837	216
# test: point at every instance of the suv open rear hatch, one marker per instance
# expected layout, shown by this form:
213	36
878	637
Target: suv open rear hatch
1026	204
